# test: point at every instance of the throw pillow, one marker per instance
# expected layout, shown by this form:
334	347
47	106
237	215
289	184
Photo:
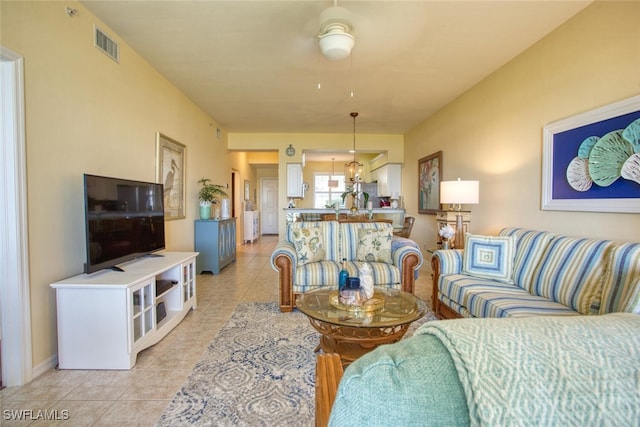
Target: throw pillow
374	245
489	257
309	244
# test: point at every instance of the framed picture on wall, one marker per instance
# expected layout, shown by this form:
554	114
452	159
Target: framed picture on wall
171	171
247	190
591	161
429	175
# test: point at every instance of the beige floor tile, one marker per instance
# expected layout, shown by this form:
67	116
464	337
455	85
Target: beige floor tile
155	384
132	413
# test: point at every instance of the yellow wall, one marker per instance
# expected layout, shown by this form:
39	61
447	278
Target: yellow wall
493	132
87	114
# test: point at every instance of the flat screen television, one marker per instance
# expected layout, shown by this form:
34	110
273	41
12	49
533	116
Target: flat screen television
124	220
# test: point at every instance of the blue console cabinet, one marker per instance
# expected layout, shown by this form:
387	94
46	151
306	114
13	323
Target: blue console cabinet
215	239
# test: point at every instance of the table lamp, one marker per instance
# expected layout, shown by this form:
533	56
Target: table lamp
459	193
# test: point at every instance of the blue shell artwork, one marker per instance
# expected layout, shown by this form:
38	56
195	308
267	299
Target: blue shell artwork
603	160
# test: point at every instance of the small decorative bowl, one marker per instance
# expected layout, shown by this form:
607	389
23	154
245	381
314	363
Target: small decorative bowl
374	303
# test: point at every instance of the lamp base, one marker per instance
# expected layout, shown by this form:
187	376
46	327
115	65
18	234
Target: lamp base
458	242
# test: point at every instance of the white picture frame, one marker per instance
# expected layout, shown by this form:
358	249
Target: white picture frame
604	119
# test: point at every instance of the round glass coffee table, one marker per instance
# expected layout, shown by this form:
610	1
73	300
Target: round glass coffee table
352	333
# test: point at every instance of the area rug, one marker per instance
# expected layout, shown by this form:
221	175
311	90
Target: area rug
258	371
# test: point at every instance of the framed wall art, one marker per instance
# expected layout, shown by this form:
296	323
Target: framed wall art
171	171
591	161
429	175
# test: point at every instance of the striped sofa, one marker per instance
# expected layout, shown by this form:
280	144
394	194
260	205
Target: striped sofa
340	240
551	275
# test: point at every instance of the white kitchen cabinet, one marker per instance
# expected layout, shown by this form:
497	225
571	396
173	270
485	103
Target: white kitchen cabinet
106	318
389	179
295	187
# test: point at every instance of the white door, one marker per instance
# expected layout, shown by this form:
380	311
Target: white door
269	206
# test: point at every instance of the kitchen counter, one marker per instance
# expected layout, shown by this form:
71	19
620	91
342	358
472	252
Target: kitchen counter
310	214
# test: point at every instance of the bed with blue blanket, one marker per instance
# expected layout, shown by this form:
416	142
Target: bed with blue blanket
534	371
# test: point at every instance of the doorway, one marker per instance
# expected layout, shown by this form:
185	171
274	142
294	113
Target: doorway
269	205
15	314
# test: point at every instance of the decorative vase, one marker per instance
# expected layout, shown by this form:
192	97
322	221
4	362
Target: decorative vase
445	243
205	210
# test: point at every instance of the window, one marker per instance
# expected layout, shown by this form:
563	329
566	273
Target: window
325	195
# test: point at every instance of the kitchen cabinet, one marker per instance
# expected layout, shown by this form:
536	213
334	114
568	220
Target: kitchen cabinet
389	179
295	185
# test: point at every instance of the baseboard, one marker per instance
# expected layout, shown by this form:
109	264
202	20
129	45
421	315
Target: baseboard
45	366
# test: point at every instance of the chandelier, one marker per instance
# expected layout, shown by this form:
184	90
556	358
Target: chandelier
353	169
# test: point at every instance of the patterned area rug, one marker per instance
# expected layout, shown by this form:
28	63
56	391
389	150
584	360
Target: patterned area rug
258	371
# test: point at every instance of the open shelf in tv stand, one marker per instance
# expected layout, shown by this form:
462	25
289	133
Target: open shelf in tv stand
106	318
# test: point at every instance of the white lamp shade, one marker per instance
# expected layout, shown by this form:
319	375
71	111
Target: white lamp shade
459	192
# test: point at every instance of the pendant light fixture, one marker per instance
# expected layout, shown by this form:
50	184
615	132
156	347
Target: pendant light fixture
333	183
353	169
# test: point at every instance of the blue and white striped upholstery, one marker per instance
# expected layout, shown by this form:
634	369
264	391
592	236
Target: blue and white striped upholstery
325	273
554	275
400	247
450	261
571	273
454	306
316	274
479	297
530	248
621	287
285	247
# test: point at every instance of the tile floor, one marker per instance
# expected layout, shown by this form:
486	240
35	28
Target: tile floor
139	396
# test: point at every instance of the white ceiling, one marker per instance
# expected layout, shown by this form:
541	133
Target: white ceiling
254	66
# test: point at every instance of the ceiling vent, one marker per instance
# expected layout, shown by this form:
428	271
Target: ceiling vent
107	44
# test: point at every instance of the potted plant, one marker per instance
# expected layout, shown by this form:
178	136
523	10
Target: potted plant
208	195
354	191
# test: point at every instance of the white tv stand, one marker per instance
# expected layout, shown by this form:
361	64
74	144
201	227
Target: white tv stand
106	318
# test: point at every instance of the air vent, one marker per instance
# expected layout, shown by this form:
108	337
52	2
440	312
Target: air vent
107	45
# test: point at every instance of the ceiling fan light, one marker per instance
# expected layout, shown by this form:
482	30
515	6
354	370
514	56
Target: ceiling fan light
336	44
